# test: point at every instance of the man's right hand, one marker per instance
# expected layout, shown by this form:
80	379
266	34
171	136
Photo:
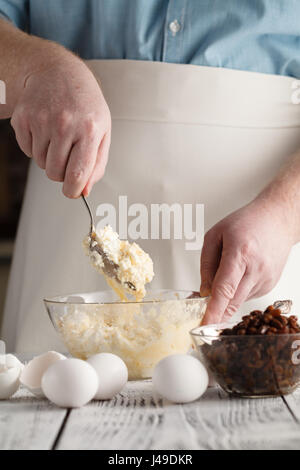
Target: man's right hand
62	121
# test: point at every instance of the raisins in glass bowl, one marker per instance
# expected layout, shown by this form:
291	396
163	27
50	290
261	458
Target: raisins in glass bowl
255	357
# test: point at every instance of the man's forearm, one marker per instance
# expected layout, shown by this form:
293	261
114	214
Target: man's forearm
21	55
284	191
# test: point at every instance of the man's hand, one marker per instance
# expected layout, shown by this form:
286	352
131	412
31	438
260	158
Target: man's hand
243	256
62	121
58	112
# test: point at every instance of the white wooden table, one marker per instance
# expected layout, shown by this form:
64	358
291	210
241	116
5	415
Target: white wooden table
138	419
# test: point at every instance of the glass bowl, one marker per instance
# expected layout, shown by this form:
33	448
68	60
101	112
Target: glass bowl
141	333
250	365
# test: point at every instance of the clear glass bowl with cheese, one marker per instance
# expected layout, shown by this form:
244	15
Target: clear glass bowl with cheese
141	333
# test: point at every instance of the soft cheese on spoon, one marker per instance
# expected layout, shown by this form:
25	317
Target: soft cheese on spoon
126	267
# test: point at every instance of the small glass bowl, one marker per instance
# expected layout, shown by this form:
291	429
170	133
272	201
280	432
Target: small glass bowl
141	333
250	365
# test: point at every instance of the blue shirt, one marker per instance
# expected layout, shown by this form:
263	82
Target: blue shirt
257	35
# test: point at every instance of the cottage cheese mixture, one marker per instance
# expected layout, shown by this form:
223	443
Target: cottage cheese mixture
140	333
134	267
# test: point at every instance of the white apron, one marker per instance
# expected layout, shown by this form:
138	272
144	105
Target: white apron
180	134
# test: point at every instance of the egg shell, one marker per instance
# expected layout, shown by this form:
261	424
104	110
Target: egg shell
180	378
31	375
10	371
13	361
71	383
112	374
9	381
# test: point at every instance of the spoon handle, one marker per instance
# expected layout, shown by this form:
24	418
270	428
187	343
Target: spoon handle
90	213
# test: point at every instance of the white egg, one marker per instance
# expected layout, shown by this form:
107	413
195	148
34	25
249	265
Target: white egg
180	378
10	371
71	383
31	375
112	374
211	380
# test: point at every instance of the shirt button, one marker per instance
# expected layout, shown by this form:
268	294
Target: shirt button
174	27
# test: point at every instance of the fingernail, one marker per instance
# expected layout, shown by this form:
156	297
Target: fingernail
86	191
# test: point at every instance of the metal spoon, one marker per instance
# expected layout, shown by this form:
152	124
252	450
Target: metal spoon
110	268
92	227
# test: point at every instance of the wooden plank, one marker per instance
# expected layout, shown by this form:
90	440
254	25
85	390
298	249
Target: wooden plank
135	419
138	419
28	423
239	423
